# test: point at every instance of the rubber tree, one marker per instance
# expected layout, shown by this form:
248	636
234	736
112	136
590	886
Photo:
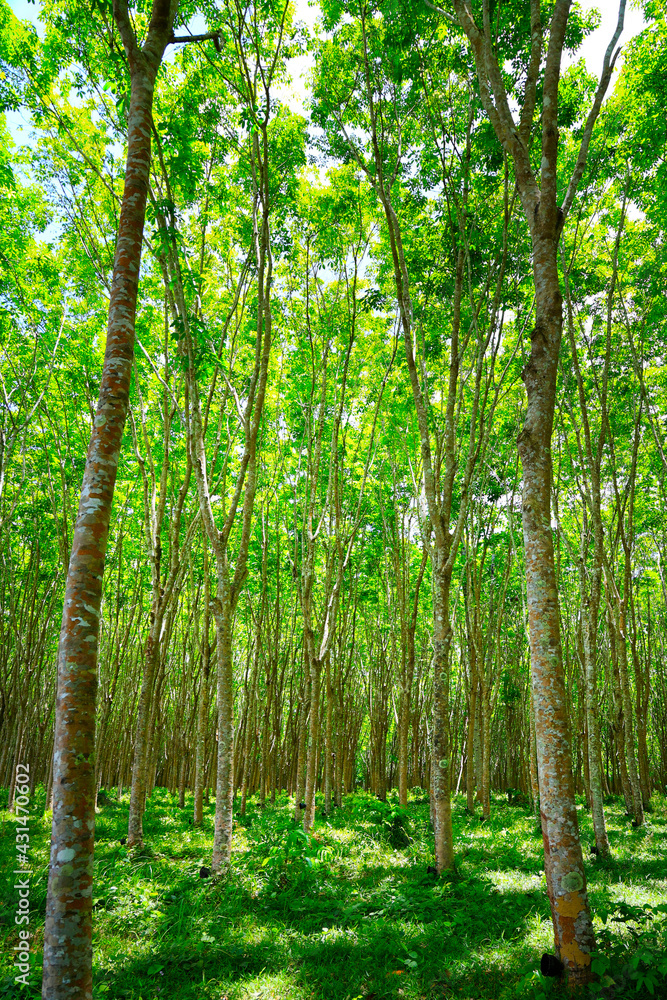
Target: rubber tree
361	89
68	930
545	209
168	563
335	334
590	452
269	142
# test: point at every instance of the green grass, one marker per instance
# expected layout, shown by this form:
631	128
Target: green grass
346	915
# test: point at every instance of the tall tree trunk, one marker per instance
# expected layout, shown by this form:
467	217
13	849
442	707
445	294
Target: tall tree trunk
564	868
328	746
300	783
314	735
408	635
140	761
486	748
224	793
618	723
593	726
566	880
470	752
67	933
642	700
441	767
202	715
628	721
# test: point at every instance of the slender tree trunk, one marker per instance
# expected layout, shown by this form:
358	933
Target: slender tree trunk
643	695
470	735
593	730
618	724
181	776
478	740
591	593
140	761
202	715
564	868
224	794
403	734
486	750
628	727
566	880
67	973
301	749
249	732
314	736
441	767
410	628
328	747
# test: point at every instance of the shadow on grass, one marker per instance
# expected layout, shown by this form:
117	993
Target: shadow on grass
365	922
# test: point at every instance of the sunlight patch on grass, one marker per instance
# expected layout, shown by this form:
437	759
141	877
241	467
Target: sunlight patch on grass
283	986
539	933
649	893
340	834
513	881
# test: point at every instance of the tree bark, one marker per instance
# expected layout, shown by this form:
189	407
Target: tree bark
202	715
564	869
328	746
224	792
566	880
441	767
67	935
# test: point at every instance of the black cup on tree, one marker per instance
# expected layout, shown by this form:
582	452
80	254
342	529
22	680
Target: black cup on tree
551	966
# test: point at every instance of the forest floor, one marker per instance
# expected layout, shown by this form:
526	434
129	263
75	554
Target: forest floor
349	914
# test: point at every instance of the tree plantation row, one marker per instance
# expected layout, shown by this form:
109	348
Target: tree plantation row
271	521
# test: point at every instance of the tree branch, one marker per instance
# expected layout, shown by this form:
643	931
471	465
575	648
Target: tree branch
439	10
610	58
529	94
213	36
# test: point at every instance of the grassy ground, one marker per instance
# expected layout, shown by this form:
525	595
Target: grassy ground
351	914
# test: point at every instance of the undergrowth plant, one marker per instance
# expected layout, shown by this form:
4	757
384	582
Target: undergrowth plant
347	912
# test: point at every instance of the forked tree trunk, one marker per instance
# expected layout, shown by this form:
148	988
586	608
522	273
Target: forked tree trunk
67	971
